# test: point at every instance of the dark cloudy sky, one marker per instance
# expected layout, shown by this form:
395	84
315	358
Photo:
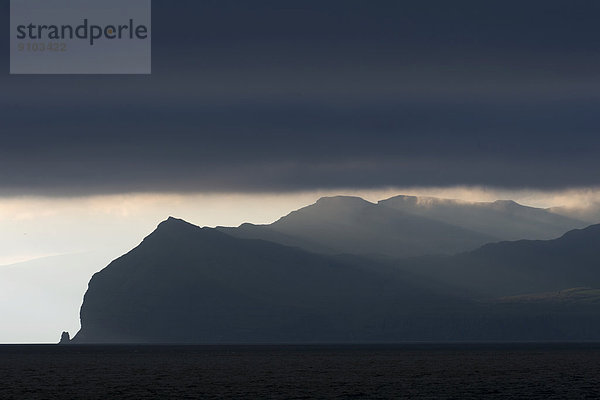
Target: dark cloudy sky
256	95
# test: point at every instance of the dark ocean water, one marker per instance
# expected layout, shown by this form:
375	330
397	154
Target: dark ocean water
301	372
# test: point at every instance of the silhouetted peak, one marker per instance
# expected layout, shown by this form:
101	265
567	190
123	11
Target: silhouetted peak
342	201
172	221
176	225
178	229
326	207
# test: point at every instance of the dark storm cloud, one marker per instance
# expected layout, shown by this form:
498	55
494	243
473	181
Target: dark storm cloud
281	95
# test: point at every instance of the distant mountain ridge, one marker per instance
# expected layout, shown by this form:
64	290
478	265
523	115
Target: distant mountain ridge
406	226
502	219
520	267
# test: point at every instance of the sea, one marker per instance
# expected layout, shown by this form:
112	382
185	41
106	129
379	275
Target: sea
403	371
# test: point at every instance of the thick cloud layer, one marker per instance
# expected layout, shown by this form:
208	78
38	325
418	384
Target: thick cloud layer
282	95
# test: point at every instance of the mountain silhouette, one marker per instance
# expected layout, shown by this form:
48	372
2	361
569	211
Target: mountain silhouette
185	284
405	226
520	267
351	225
